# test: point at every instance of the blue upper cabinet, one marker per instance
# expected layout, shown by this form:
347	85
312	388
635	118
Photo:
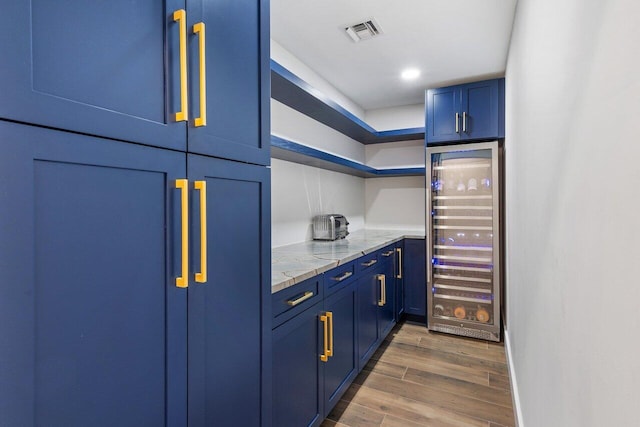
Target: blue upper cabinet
99	70
147	72
234	87
473	111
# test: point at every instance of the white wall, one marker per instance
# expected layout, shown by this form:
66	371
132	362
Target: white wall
395	203
297	127
572	209
299	192
403	117
302	71
402	154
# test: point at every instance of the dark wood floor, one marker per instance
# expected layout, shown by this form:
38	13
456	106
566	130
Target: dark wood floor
422	378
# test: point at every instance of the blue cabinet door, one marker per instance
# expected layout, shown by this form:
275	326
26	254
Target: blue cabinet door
297	371
341	368
98	69
229	335
399	275
237	79
480	110
387	306
443	114
92	326
367	307
415	259
472	111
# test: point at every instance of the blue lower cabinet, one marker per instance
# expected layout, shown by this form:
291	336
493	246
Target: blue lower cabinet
399	276
92	327
367	311
376	307
317	353
227	341
341	367
414	276
297	371
386	305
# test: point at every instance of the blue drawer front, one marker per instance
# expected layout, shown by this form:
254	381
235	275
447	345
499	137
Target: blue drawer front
339	277
293	300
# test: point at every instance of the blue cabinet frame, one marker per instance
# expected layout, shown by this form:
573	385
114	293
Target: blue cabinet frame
415	278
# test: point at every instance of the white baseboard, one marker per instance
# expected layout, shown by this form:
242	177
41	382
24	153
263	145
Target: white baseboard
512	379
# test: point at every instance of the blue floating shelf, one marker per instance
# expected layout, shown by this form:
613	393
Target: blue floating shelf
284	149
294	92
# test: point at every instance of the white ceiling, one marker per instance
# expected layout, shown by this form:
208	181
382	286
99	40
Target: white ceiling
450	41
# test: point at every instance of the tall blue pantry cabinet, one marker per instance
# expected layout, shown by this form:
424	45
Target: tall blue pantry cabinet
134	213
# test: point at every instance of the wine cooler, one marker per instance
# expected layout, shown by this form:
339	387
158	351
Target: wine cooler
463	239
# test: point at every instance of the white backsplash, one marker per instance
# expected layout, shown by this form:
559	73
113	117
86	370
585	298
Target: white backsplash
299	192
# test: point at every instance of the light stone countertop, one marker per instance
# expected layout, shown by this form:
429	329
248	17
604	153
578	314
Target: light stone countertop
292	264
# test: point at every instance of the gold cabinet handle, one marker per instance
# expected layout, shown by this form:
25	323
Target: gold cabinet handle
457	124
304	297
388	253
182	281
180	16
399	275
369	263
201	277
345	275
325	321
200	29
330	317
383	290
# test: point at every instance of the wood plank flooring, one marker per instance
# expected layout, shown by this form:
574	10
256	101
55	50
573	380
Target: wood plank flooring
422	378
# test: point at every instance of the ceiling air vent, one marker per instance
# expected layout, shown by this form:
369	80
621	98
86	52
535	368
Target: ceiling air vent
363	30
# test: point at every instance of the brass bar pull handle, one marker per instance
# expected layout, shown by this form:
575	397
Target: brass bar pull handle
304	297
457	123
369	263
182	281
388	253
382	300
464	121
202	187
200	29
340	278
180	16
330	317
325	321
399	275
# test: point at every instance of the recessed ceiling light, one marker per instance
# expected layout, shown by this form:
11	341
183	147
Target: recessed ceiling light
410	74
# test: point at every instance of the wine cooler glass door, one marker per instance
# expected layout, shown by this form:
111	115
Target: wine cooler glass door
463	248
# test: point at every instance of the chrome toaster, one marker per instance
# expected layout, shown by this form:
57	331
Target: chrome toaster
330	227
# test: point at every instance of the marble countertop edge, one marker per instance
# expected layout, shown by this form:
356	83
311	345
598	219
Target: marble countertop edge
293	264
